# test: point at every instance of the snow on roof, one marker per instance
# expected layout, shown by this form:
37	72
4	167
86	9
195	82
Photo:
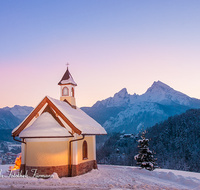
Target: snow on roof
45	126
79	118
15	129
67	79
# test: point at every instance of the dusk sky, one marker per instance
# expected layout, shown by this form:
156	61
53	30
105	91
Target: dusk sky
109	44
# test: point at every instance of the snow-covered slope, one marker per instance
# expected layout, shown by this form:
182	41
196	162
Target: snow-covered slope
133	111
158	92
19	111
164	94
122	98
8	120
109	177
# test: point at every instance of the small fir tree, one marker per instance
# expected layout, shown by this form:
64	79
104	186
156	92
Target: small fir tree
145	157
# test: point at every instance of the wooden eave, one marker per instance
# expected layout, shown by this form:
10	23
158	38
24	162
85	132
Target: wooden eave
30	117
47	137
67	83
49	108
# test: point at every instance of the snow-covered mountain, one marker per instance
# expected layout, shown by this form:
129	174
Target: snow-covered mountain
12	117
19	111
158	92
122	98
8	120
164	94
128	113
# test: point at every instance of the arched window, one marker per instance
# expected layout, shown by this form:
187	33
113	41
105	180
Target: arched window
72	92
85	151
65	91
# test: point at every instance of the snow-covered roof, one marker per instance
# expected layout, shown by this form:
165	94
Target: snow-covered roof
76	119
67	79
79	118
45	126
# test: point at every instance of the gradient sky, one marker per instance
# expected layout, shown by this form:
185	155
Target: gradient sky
110	44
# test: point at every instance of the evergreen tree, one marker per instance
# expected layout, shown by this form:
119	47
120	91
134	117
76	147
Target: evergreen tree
145	157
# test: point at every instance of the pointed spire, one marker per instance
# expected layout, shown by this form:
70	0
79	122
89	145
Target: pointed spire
67	78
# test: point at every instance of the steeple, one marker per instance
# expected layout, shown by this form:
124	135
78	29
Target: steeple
67	85
67	79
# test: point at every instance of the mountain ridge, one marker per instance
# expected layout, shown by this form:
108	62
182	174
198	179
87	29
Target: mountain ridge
8	120
158	92
19	111
11	117
159	102
125	112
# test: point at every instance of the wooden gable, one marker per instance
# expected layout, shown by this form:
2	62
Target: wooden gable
53	110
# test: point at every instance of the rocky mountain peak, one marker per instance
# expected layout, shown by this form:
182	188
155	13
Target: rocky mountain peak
121	98
158	86
121	94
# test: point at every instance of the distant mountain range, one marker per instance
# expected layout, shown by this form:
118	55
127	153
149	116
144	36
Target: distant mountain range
12	117
19	111
8	120
124	112
128	113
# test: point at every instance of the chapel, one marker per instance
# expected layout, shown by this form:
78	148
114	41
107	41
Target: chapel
57	136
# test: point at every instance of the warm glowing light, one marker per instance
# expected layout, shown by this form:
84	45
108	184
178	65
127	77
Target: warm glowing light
17	163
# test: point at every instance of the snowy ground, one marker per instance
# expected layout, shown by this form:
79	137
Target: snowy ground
109	177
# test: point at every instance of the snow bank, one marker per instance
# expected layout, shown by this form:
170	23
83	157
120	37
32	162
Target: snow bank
55	176
109	177
189	180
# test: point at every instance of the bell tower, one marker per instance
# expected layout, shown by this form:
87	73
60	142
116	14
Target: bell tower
67	88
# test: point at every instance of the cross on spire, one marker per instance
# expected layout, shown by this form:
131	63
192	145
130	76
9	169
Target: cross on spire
67	64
